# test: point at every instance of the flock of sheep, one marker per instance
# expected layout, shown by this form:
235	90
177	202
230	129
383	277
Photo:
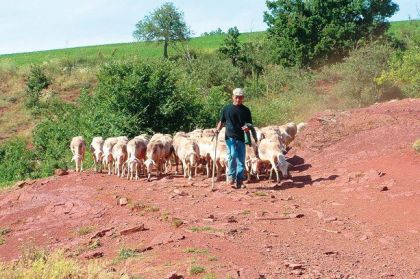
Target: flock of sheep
196	149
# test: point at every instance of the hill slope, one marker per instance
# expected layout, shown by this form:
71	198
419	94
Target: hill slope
350	210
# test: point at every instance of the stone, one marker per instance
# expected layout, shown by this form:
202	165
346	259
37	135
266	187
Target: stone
180	192
20	184
384	188
133	230
165	238
232	219
94	255
174	275
329	219
122	201
60	172
295	215
101	233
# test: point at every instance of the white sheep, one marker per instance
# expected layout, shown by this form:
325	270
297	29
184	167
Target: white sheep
78	149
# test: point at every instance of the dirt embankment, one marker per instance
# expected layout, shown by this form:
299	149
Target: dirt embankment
350	210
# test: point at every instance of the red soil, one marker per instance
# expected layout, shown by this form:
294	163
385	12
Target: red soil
350	210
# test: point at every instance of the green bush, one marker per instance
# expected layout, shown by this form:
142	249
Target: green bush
36	82
404	72
355	78
16	161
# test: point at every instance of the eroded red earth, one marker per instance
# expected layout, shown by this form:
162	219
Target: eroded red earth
350	210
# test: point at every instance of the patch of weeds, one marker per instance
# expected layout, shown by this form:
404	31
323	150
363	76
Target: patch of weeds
246	212
164	216
176	222
212	258
260	194
210	276
3	232
416	146
84	230
126	253
139	206
195	250
203	229
196	269
151	208
94	244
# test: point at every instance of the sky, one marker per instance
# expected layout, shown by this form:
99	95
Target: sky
30	25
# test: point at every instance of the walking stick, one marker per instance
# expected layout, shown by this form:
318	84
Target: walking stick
214	161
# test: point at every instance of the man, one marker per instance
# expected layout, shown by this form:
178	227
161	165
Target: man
235	117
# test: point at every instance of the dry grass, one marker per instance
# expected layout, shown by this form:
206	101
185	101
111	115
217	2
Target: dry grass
416	145
36	263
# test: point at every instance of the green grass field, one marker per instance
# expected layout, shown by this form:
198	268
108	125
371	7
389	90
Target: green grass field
140	50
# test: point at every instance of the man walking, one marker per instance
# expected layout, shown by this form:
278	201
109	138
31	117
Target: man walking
235	117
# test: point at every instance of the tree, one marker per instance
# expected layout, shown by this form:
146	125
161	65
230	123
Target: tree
308	31
231	47
164	24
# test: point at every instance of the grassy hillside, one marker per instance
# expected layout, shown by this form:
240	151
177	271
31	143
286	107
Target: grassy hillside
143	50
119	51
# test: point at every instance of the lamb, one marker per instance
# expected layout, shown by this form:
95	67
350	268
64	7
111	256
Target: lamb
107	159
301	126
252	161
155	154
119	155
78	149
271	150
288	131
176	143
221	158
188	152
96	147
136	153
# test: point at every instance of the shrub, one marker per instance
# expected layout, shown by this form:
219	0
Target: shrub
355	76
36	82
403	72
16	160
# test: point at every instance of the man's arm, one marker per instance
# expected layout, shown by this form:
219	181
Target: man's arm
219	126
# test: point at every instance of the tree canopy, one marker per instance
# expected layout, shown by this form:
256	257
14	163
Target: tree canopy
306	31
166	24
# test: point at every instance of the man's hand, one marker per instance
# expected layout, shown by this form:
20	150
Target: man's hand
245	128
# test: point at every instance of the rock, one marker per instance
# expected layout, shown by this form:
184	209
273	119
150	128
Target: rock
122	201
20	184
293	265
232	219
295	215
165	238
143	249
60	172
329	219
363	238
101	233
331	253
174	275
94	255
384	188
133	230
180	192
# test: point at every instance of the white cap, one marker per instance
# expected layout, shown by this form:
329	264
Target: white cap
238	92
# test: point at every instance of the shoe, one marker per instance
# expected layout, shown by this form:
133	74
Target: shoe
240	184
230	182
